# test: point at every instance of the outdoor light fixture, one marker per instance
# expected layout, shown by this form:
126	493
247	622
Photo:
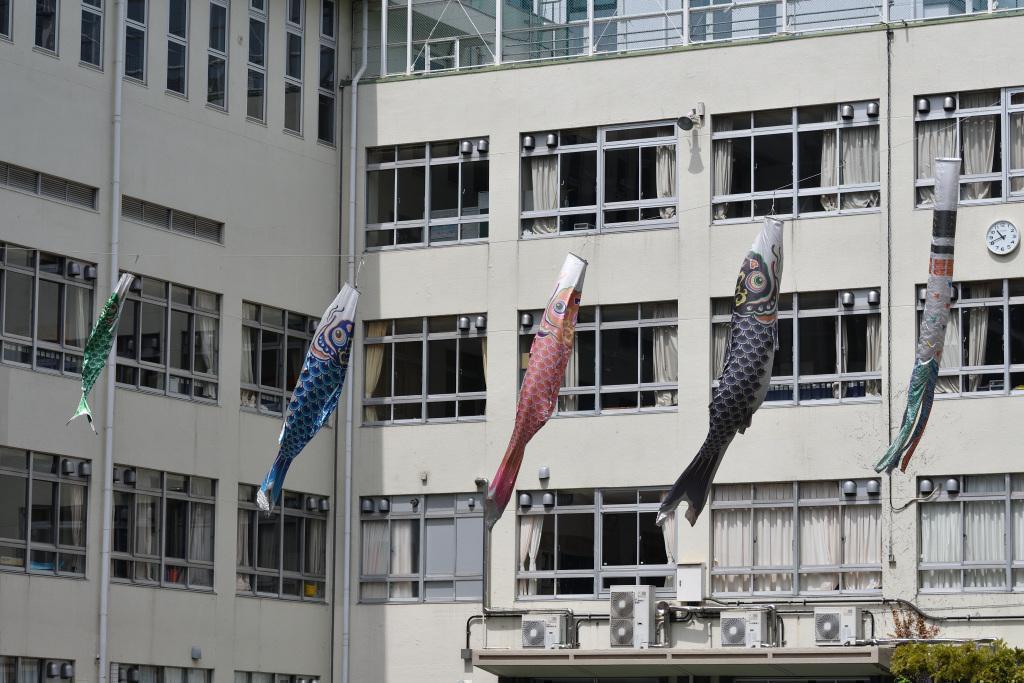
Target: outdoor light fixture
525	500
543	473
548	499
463	323
873	109
526	320
383	505
366	505
849	487
552	140
874	487
481	322
925	487
848	298
481	145
949	103
846	111
415	502
952	485
311	326
692	119
874	297
923	106
527	142
466	147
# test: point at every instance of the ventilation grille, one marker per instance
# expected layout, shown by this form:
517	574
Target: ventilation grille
533	633
621	631
734	631
165	218
826	627
44	185
622	605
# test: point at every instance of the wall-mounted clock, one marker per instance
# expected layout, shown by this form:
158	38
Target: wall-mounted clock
1002	237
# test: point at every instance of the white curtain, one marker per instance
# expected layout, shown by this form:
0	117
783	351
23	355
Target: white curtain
373	363
530	529
403	554
862	544
819	546
544	177
859	159
206	345
829	169
200	537
243	549
935	139
874	354
241	677
940	542
719	336
250	335
984	526
147	525
172	674
666	352
315	562
571	378
374	558
1017	150
1018	541
666	177
978	144
977	333
28	671
722	178
951	355
773	536
196	675
731	548
77	316
72	515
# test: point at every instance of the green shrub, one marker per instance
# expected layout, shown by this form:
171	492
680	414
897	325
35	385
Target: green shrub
963	663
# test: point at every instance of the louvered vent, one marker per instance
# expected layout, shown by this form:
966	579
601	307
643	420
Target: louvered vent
185	223
22	178
131	208
533	632
54	188
82	195
826	627
622	604
209	230
49	186
734	631
3	173
181	222
156	215
621	632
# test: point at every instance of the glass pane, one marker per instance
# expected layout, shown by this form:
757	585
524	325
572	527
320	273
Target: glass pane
380	196
44	512
147	525
179	341
325	118
444	190
135	53
472	376
48	313
176	59
257	44
137	11
72	515
216	81
326	67
292	107
271	359
12	508
475	193
292	540
176	23
267	542
773	162
152	327
575	541
293	65
619	356
411	193
200	533
817	346
622	175
619	538
408	379
92	36
176	538
122	521
18	304
405	551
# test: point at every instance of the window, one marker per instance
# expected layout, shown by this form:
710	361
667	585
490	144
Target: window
427	195
293	67
47	23
984	348
135	41
32	670
619	177
163	529
47	304
422	548
985	128
795	538
283	554
44	502
217	56
23	179
578	543
5	18
255	107
177	46
274	344
973	541
829	347
425	369
624	358
92	32
180	363
325	96
181	222
260	677
123	673
795	162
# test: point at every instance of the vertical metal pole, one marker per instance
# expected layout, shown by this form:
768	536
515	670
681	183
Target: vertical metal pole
590	26
686	22
499	16
408	36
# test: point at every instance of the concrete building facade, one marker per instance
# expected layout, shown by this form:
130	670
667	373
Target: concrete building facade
471	185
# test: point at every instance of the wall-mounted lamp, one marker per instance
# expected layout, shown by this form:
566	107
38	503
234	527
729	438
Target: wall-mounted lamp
74	269
543	472
692	119
949	103
548	499
196	653
874	487
846	111
67	670
925	487
482	145
324	505
874	297
847	298
383	505
551	140
952	485
463	323
528	142
849	487
525	500
526	320
481	322
366	506
466	147
923	105
873	109
90	272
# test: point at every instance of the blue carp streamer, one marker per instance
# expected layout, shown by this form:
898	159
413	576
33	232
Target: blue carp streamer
316	392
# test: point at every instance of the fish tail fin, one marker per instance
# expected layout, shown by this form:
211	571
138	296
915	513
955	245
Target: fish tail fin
694	484
500	489
83	409
270	490
920	397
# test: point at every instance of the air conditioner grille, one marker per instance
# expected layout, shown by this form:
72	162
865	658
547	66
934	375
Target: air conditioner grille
622	632
533	633
734	631
622	604
826	627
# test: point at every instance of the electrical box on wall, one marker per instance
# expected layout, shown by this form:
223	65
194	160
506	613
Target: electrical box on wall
690	582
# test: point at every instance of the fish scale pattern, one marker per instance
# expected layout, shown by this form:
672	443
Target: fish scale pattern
311	403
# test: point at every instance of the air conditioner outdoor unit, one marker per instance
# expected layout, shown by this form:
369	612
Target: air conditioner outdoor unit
632	616
545	631
837	625
745	628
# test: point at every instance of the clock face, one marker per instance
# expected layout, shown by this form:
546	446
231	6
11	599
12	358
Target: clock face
1002	237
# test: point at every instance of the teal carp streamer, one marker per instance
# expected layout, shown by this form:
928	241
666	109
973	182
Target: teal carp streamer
97	349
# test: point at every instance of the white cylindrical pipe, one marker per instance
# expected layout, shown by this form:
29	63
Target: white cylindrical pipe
108	434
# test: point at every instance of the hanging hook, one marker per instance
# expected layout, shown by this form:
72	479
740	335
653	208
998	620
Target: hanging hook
359	266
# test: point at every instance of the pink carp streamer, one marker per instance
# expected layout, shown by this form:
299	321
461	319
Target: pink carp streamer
538	396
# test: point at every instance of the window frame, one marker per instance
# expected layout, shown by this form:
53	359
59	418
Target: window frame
527	334
6	19
213	55
1004	301
464	506
599	147
287	333
181	41
119	673
160	559
426	222
794	503
21	665
295	29
65	353
95	8
247	505
1005	110
257	14
142	27
424	398
56	29
793	382
328	41
629	574
794	192
30	475
1013	491
140	297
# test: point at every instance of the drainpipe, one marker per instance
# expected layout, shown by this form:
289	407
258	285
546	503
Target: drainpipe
108	434
346	607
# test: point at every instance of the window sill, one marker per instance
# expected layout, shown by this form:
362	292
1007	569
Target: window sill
529	237
258	122
802	217
158	586
161	393
420	245
217	108
98	68
43	51
294	133
135	81
41	573
822	402
282	598
183	96
980	394
419	423
616	413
